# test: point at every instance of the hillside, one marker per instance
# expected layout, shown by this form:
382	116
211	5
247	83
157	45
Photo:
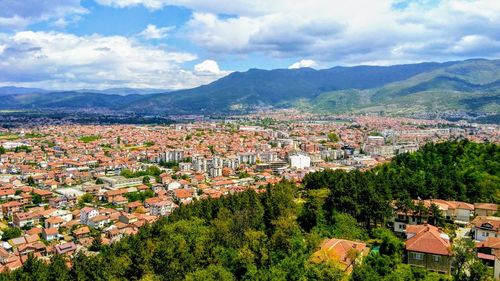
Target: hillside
469	86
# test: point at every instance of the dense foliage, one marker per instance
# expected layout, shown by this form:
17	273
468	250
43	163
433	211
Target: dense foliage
246	236
463	170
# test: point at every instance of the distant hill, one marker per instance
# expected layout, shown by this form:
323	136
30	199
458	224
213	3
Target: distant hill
471	85
125	91
12	90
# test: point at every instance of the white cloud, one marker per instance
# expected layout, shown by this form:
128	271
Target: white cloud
303	63
153	32
19	14
339	31
65	61
209	67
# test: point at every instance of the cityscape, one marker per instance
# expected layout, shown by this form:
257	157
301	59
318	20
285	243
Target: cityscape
250	140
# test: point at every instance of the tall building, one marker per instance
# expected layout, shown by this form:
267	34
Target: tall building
172	156
300	161
247	158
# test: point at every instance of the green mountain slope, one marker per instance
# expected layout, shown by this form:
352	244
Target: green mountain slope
468	86
472	85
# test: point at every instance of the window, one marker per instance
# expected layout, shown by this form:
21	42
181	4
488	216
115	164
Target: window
418	256
436	258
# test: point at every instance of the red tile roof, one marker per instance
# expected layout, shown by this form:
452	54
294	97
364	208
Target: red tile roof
428	239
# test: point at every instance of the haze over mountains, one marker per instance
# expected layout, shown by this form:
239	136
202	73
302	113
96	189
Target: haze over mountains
467	86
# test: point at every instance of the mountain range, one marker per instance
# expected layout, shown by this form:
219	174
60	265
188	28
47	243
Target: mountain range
465	86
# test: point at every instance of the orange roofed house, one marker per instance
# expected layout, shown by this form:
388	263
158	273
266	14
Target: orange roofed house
428	247
484	227
345	253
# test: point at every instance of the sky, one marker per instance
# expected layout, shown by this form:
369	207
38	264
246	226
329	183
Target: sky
175	44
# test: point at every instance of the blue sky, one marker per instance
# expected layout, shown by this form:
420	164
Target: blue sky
173	44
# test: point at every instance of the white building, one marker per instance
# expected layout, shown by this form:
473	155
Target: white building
117	182
98	221
87	213
485	227
247	158
300	161
172	156
161	208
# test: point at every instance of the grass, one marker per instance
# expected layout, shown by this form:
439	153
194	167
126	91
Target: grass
91	138
8	136
33	135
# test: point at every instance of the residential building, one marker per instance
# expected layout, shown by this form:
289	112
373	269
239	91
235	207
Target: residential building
50	234
485	209
428	247
25	219
345	253
87	213
161	208
484	227
118	182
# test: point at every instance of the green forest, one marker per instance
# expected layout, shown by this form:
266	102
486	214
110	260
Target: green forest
271	234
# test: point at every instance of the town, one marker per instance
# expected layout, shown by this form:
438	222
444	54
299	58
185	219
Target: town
69	188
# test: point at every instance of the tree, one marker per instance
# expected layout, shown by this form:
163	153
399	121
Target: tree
11	232
58	270
466	266
84	199
211	273
333	137
2	150
31	181
37	199
436	217
96	244
323	271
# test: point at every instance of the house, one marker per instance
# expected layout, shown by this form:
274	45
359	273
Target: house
485	209
132	206
63	214
87	213
81	232
65	249
53	222
44	194
428	247
161	208
174	185
484	227
458	211
485	250
98	221
120	200
344	252
25	219
403	218
5	194
184	195
50	234
110	195
127	218
9	208
9	261
64	201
